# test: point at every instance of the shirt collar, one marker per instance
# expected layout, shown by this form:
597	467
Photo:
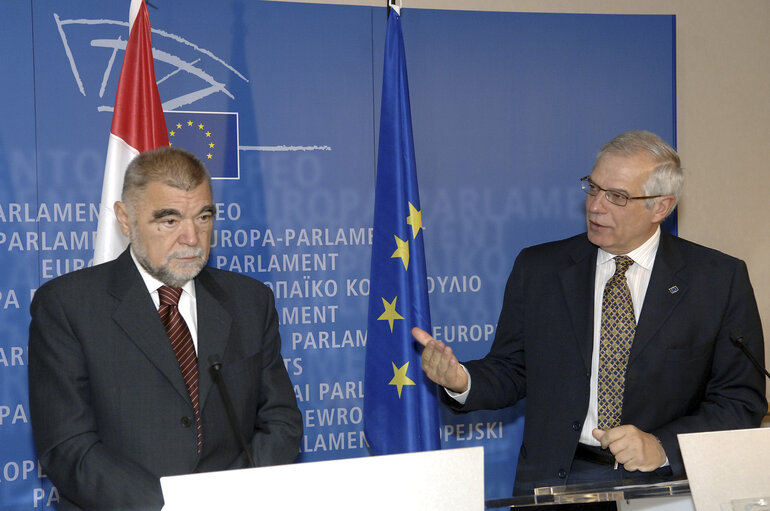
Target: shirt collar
643	255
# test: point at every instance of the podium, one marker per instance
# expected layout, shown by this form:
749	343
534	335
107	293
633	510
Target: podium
663	496
446	480
728	470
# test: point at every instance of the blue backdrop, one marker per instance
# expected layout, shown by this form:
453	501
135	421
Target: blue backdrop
508	110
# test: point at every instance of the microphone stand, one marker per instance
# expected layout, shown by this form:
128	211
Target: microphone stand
216	375
737	339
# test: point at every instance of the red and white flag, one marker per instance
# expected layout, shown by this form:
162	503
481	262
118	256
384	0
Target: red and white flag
138	125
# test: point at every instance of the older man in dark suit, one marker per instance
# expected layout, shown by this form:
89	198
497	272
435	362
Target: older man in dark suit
121	392
620	338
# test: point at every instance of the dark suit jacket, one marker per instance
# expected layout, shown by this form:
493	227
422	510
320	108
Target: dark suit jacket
109	409
684	375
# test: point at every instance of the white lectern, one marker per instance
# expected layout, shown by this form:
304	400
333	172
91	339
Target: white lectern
446	480
728	470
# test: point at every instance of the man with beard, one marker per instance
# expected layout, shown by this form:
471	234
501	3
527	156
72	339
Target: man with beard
121	392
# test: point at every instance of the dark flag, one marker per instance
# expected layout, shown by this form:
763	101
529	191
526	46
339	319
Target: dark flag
211	136
400	406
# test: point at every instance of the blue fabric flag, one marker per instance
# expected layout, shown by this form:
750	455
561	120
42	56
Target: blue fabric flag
400	406
211	136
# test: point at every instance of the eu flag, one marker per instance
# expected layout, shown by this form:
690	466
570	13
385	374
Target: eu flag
400	407
211	136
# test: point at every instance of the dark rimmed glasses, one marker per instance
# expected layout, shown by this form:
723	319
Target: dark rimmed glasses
613	196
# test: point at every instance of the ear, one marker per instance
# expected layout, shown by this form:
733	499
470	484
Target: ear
662	208
121	214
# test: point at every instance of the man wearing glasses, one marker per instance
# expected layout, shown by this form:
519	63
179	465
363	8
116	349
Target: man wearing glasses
620	338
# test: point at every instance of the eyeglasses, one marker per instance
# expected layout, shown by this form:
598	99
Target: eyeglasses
613	196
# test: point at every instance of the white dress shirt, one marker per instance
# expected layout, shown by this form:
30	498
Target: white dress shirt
187	302
638	277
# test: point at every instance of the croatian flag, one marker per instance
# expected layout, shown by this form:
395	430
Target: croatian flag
138	125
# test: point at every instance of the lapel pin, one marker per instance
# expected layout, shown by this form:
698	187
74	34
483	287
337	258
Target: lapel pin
673	290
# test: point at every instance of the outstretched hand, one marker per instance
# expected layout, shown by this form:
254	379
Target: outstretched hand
440	364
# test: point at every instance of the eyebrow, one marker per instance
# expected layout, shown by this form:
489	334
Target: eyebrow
620	190
162	213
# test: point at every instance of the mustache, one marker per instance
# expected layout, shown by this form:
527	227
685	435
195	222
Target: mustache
188	252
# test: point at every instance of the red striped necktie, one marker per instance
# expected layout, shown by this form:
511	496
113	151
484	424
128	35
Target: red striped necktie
182	343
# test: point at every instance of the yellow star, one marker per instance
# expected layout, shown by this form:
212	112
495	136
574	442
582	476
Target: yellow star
211	145
390	313
400	378
208	134
172	133
209	156
189	123
179	125
414	219
402	251
200	126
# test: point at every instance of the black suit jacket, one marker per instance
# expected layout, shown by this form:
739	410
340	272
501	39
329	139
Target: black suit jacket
109	409
684	375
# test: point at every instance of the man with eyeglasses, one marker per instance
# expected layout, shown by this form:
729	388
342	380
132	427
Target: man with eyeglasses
619	338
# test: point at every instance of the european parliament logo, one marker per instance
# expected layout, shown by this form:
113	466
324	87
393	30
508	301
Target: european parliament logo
211	136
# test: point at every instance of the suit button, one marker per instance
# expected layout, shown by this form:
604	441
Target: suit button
562	474
577	426
187	422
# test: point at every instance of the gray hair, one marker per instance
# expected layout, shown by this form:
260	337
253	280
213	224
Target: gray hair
667	177
171	166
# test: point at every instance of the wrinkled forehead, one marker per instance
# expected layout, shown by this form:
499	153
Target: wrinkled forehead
623	172
159	196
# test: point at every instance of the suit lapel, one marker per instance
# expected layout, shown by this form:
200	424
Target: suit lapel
137	316
665	290
213	328
577	283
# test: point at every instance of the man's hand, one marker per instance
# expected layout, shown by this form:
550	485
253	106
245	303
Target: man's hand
632	447
440	364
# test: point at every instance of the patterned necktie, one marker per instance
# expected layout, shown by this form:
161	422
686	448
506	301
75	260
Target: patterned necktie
182	344
617	334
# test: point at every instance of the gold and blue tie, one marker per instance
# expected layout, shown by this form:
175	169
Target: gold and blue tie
617	334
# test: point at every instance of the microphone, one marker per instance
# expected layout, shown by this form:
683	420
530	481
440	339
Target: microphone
215	367
737	339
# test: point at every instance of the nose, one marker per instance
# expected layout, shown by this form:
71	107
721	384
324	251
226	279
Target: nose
188	233
596	203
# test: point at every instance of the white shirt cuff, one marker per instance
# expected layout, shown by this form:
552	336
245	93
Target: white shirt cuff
461	397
